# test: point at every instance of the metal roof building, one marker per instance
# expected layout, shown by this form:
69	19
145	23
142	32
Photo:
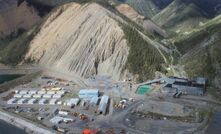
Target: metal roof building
103	104
18	95
32	92
51	92
27	96
32	101
61	92
88	93
53	101
42	101
72	102
58	96
21	101
37	96
41	92
47	96
23	92
94	101
12	101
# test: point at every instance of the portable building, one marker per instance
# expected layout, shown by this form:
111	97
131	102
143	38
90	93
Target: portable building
63	112
41	92
51	92
27	96
22	101
53	101
42	101
60	92
88	93
103	104
73	102
58	96
12	101
18	95
23	92
32	101
37	96
32	92
56	120
47	96
55	89
94	101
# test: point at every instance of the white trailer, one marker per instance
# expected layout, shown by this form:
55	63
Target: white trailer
12	101
42	101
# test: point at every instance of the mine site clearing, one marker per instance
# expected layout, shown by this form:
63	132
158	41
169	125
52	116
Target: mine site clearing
167	104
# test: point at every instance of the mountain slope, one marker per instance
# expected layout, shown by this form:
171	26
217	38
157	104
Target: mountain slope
87	40
201	51
180	16
148	8
15	16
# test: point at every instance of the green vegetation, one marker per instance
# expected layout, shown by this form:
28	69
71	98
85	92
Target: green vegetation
144	59
14	47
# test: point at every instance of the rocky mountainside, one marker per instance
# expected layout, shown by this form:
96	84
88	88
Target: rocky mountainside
16	15
180	16
83	39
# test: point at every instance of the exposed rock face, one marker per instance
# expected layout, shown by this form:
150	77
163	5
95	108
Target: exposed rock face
14	16
129	12
81	39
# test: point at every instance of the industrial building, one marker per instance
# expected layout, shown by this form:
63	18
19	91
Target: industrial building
188	87
103	104
88	93
21	101
73	102
53	101
12	101
32	101
42	101
94	101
